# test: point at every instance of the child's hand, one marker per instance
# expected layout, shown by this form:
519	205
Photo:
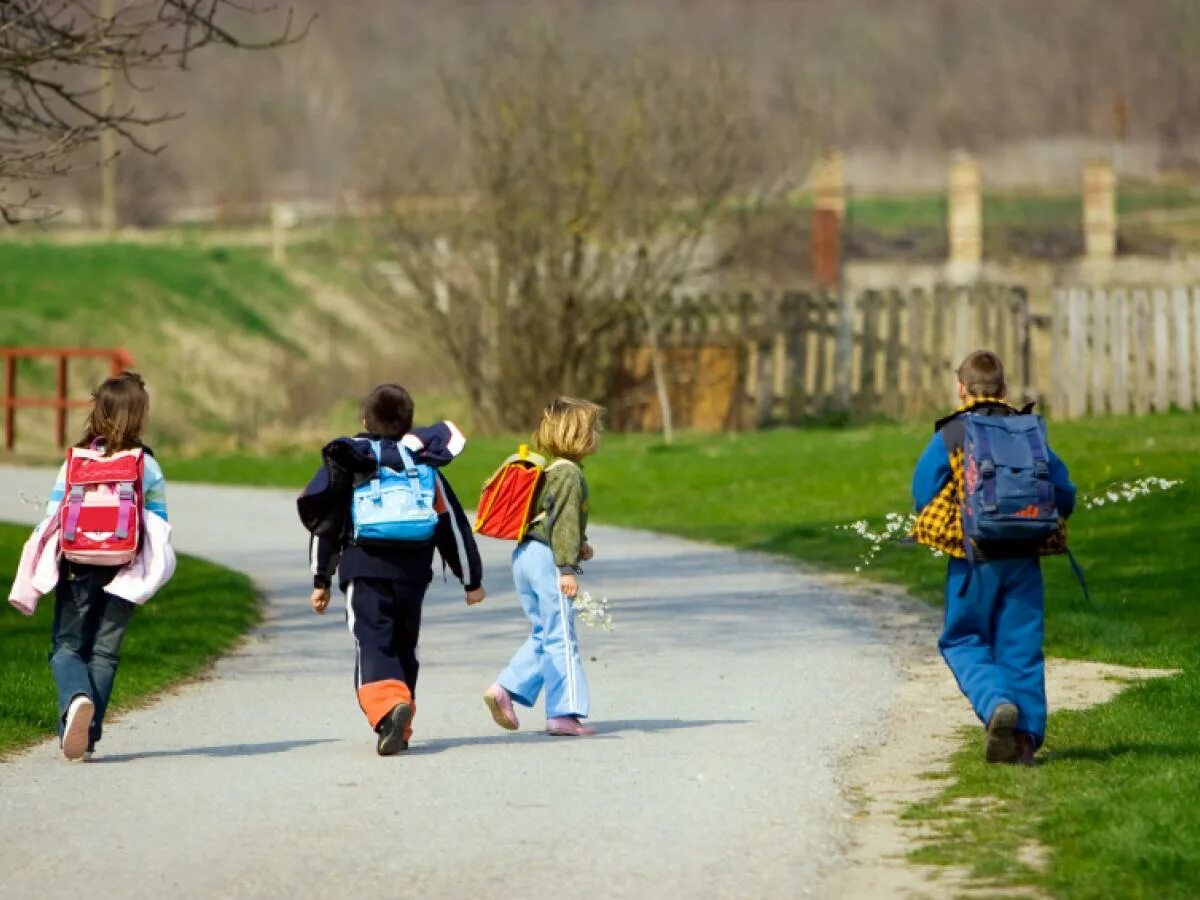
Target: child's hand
475	596
320	600
586	552
568	585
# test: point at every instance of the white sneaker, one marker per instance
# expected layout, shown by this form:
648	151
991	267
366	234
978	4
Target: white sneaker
75	730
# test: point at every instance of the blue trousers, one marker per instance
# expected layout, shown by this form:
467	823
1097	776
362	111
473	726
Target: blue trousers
89	626
550	657
992	639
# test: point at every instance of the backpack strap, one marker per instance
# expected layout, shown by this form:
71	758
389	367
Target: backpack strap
127	495
1041	468
1078	574
987	468
410	470
377	452
74	505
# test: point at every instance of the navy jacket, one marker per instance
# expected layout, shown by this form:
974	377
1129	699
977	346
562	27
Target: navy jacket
324	509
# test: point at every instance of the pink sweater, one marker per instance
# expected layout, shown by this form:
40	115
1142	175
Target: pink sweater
137	582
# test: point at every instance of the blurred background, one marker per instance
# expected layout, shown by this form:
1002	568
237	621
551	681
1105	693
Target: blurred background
706	214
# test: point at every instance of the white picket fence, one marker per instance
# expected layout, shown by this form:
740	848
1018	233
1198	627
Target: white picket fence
1124	350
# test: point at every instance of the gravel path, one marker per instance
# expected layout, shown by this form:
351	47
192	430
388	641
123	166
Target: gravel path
728	695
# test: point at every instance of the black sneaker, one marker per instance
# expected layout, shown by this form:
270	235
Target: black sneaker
1001	744
1025	751
391	730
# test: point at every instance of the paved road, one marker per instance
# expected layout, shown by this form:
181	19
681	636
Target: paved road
727	694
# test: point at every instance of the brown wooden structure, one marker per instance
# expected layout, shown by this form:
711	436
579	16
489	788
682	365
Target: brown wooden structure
118	358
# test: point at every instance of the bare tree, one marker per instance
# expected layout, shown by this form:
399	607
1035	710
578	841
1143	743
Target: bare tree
593	182
51	105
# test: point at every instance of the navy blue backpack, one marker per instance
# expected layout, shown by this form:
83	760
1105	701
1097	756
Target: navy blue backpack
1007	494
1008	497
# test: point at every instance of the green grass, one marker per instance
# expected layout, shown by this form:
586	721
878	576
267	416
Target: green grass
189	315
1114	802
111	293
202	613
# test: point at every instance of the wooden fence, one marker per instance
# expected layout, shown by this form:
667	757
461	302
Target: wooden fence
1123	350
753	359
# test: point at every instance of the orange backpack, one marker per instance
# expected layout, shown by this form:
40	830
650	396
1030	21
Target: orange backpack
506	504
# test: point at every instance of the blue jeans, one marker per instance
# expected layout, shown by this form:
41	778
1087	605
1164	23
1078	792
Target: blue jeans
89	625
550	657
992	638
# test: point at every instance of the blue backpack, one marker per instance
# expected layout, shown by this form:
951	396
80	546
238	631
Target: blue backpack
1007	493
395	506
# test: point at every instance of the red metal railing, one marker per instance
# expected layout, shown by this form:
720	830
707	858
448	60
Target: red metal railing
119	359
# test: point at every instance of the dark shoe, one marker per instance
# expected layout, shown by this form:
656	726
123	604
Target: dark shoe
1025	750
391	730
1001	744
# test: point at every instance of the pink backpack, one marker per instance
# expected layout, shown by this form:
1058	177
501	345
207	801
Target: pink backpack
100	518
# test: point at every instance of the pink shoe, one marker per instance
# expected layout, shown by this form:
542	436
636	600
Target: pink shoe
568	726
501	706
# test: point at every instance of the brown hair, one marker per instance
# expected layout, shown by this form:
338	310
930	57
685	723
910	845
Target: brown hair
570	429
388	411
982	374
119	408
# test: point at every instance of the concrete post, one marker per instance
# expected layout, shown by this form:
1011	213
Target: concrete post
1099	210
965	219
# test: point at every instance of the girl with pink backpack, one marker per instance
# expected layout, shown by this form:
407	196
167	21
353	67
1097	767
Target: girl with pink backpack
107	489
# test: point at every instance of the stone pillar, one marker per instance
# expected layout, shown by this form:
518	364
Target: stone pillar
965	219
1099	211
829	211
829	184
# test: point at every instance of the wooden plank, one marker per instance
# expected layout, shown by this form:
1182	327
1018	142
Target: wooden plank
938	370
984	296
1140	386
1118	327
892	354
764	399
1182	329
1196	343
822	383
797	352
1000	330
918	303
1022	338
868	394
843	352
964	309
1058	352
1162	353
1100	356
1077	354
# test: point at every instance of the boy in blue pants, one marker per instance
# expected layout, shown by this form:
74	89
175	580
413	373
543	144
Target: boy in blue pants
992	639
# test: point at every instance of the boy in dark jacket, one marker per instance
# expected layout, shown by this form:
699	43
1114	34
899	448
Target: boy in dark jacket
385	583
992	639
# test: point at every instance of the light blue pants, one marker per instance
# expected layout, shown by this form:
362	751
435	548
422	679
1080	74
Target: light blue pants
992	638
550	657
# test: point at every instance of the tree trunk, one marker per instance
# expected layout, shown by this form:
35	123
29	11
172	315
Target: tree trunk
660	381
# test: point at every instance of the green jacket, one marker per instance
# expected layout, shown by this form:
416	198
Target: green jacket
560	514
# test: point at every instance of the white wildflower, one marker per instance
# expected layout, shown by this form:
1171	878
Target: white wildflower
593	611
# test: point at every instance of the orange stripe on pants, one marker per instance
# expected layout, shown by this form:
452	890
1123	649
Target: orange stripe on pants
379	698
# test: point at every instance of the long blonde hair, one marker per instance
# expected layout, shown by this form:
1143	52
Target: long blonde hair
570	429
119	409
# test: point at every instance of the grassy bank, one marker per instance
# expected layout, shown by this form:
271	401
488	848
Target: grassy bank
199	615
1113	801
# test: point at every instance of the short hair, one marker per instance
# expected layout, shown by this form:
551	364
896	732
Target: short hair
388	411
982	374
570	429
